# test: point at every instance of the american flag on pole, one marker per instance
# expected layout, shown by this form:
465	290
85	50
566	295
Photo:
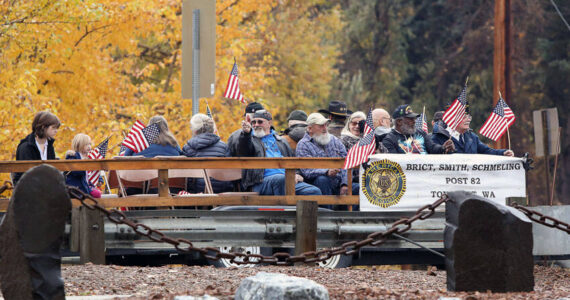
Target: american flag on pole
209	113
360	151
497	123
455	113
232	90
421	123
140	137
98	153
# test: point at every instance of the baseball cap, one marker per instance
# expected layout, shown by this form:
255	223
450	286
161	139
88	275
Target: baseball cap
404	111
316	118
252	107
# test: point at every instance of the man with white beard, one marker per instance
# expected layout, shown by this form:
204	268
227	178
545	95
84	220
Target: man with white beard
404	138
263	141
318	142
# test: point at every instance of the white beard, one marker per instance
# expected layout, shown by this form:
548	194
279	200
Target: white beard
322	139
259	132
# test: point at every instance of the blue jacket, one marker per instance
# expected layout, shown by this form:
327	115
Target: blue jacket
77	178
207	145
418	143
470	145
156	150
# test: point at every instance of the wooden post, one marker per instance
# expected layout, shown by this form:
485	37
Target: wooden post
75	229
163	190
289	181
546	132
306	227
502	57
92	237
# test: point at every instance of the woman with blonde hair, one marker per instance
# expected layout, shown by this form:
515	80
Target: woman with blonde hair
165	144
350	134
81	145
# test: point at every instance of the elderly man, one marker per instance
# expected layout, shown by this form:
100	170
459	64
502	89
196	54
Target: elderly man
404	138
318	142
250	109
382	121
297	122
464	139
263	141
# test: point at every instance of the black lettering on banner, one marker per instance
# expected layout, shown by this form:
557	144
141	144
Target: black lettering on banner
497	167
419	167
475	180
488	194
456	180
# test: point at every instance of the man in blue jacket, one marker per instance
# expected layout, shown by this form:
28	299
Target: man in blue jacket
464	139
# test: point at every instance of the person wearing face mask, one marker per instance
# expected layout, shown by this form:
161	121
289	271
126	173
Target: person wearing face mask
297	123
38	145
464	139
404	138
318	142
81	145
259	139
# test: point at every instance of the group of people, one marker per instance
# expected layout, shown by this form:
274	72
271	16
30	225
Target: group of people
327	133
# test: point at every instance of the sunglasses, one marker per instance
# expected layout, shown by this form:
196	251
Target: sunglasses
257	122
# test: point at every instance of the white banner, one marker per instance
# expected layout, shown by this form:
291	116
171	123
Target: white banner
408	182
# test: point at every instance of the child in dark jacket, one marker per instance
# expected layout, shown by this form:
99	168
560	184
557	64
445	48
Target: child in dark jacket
38	145
81	145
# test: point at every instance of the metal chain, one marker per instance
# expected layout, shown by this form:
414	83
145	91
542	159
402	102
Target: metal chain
542	219
280	258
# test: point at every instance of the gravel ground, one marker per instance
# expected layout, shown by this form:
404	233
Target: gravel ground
350	283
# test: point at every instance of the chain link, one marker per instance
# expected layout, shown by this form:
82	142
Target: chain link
542	219
279	258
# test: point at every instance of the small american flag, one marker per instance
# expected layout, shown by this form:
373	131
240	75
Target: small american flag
209	113
122	150
232	90
140	137
497	123
455	113
421	123
98	153
360	151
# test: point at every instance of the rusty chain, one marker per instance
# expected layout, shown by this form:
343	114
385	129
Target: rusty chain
542	219
280	258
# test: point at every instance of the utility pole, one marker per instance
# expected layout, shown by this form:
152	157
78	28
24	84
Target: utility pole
502	58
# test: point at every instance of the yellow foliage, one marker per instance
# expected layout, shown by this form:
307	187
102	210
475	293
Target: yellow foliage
99	65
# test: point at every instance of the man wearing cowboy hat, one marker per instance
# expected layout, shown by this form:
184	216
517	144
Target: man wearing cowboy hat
337	114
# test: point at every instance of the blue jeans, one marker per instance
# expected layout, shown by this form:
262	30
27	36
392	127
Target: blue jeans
275	185
328	187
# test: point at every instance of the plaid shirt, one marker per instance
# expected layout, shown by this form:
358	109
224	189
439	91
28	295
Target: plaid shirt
307	147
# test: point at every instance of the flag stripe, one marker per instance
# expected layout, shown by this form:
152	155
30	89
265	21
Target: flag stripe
366	145
500	119
232	89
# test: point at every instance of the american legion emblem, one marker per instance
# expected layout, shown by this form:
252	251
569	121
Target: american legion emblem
384	183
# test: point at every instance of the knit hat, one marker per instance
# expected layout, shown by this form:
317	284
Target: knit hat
297	115
252	107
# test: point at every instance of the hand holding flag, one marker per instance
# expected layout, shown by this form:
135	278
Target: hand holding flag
360	151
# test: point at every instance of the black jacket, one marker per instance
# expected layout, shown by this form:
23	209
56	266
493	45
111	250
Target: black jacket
27	150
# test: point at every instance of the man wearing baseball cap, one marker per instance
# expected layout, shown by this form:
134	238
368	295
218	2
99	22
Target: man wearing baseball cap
259	139
404	138
233	139
318	142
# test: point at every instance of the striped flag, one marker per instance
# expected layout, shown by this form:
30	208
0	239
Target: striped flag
122	150
455	113
98	153
232	90
140	137
497	123
421	123
209	113
360	151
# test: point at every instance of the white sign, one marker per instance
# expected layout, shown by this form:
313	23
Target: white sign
408	182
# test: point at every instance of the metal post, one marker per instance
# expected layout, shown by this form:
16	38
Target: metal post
196	61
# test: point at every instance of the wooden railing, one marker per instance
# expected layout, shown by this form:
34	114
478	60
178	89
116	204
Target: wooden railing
290	164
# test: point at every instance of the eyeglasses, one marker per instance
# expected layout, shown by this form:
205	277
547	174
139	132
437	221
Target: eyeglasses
353	123
257	122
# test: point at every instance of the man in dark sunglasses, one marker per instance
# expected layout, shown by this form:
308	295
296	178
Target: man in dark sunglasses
259	139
